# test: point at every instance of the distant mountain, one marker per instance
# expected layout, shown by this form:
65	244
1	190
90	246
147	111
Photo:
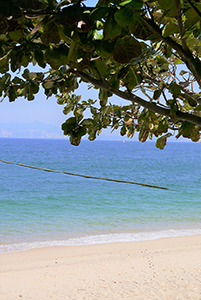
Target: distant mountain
41	130
30	130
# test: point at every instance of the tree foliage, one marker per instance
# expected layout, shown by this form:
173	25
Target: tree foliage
146	52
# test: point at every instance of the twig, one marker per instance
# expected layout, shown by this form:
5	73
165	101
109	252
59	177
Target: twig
181	28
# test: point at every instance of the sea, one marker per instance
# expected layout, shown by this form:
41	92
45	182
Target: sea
42	209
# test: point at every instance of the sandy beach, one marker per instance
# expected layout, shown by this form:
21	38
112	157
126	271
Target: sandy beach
160	269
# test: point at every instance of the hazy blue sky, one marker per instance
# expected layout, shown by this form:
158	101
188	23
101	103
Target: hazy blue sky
40	109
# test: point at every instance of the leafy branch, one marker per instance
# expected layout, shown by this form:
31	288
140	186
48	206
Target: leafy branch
184	53
136	99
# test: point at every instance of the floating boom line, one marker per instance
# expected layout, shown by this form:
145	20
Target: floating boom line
85	176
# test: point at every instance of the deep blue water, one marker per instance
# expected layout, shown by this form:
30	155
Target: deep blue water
40	208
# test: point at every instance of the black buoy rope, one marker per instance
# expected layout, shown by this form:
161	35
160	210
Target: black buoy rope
85	176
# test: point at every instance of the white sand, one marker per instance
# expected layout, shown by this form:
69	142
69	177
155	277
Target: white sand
161	269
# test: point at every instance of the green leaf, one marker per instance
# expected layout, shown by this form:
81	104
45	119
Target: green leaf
69	125
186	130
169	29
131	132
161	142
102	67
81	131
197	65
68	108
5	81
75	140
79	111
30	97
174	89
131	79
103	96
39	57
183	72
139	27
4	64
87	123
157	94
125	49
33	75
48	84
192	17
173	108
192	102
99	13
163	126
92	134
9	8
198	108
26	74
125	2
11	94
33	5
135	4
168	7
111	29
16	35
77	58
124	16
33	88
17	80
193	42
56	57
70	15
143	135
123	130
51	35
3	25
104	48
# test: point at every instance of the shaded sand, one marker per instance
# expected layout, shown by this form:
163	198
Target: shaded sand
161	269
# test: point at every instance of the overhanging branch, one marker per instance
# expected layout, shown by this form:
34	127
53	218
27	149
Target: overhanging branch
186	56
136	99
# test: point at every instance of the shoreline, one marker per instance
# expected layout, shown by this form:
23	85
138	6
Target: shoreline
166	268
98	239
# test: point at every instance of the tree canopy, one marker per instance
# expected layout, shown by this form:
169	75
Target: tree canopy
143	51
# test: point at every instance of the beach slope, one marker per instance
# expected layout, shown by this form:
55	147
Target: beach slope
160	269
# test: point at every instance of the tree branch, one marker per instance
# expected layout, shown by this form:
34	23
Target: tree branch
135	99
180	23
187	57
194	8
167	86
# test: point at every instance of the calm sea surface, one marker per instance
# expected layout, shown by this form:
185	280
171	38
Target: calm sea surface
40	208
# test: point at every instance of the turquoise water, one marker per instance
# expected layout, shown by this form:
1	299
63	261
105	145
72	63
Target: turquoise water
42	209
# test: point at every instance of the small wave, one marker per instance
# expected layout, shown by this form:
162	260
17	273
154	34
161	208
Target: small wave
101	239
